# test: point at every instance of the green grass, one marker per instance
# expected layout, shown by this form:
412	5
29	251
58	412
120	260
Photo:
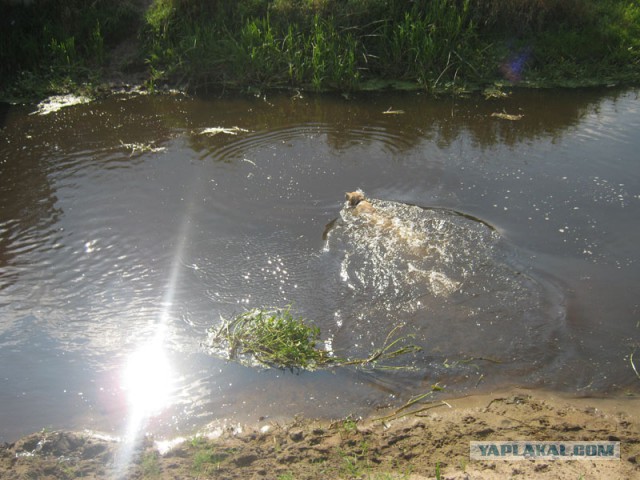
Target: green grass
275	338
346	45
324	50
150	465
207	459
433	44
350	426
59	45
351	466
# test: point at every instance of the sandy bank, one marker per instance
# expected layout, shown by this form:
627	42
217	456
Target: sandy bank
418	446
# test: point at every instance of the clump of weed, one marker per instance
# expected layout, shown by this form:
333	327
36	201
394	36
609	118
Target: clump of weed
207	460
275	338
350	426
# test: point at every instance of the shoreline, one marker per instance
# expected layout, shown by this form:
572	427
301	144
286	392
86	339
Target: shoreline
429	443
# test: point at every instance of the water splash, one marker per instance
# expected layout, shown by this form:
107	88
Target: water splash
451	278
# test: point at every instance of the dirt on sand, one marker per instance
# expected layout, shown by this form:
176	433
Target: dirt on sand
432	443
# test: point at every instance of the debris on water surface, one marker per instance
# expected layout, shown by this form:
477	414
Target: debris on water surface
269	337
141	147
217	130
507	116
57	102
390	111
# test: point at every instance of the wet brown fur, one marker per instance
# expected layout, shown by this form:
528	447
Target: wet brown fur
359	203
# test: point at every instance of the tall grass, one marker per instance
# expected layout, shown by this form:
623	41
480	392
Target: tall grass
523	17
58	39
258	53
331	44
328	44
427	42
565	42
313	45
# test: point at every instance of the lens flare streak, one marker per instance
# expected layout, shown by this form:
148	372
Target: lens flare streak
148	378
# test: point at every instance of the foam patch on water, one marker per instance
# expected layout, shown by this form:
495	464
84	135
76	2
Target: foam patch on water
58	102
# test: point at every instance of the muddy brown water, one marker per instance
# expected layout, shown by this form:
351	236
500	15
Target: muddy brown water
129	226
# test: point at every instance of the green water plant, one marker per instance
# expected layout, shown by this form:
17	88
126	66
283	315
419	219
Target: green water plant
274	337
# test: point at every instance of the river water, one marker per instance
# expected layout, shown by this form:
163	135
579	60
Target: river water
507	249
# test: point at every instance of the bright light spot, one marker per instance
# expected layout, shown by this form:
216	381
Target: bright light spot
89	247
165	446
148	380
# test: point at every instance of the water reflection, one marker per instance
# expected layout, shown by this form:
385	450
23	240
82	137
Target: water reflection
148	382
361	120
96	240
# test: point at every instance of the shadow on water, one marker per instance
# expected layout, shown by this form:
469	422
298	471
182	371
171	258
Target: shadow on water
134	215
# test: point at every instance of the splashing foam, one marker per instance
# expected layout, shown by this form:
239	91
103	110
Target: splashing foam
58	102
447	275
392	246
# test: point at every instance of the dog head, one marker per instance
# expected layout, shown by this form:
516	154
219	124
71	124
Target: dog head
354	198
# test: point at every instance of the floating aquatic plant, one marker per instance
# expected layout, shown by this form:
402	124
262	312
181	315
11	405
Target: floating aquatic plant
275	338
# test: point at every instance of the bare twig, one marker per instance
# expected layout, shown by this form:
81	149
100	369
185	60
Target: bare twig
633	365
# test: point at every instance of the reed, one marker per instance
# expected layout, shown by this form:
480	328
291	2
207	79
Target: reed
425	44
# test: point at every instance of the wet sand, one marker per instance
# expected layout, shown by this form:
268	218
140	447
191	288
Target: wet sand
426	444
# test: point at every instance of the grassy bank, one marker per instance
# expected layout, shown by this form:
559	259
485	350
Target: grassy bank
323	44
52	46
